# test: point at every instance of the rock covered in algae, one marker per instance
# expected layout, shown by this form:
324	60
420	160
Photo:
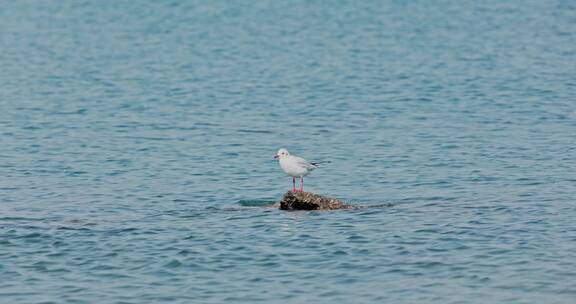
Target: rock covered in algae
310	201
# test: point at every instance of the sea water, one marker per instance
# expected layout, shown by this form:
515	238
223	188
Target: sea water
137	142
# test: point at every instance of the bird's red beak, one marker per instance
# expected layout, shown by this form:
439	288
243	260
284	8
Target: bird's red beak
276	156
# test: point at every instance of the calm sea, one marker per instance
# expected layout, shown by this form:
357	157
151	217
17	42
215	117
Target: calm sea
136	145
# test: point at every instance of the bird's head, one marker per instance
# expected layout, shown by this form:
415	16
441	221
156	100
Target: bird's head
281	153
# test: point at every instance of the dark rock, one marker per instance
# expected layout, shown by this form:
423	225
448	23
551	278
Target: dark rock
310	201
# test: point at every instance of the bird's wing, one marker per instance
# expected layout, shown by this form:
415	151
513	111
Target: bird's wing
303	163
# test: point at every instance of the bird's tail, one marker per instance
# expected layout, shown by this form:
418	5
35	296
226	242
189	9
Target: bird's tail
317	164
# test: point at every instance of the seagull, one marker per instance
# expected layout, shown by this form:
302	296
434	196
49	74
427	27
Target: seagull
295	166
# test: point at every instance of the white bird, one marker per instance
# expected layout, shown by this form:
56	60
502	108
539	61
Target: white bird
295	166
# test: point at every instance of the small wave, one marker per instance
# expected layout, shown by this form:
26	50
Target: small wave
255	203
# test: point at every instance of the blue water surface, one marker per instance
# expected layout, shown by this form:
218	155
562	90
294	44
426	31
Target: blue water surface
136	144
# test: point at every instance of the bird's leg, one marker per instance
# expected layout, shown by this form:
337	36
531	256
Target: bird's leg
293	184
301	183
